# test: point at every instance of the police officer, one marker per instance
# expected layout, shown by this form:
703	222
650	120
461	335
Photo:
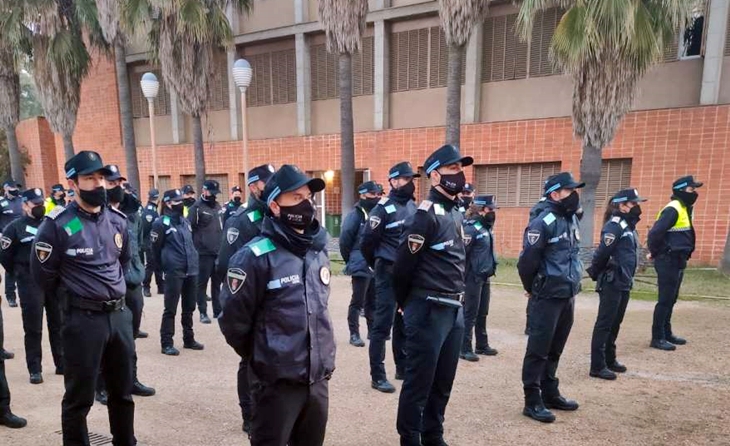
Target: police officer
613	267
188	198
270	283
363	289
149	215
550	271
466	198
82	250
70	197
173	251
7	418
233	204
481	265
430	266
57	198
671	242
379	245
16	243
535	211
11	208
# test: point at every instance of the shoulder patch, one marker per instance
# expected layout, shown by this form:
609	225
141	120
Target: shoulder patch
55	212
235	279
149	218
262	247
616	219
383	201
549	219
608	239
425	205
254	216
533	236
623	224
166	220
118	212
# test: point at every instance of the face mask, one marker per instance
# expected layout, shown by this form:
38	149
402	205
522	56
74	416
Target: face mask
489	219
299	216
237	200
95	197
177	209
571	203
688	198
209	198
635	212
466	201
188	201
407	190
454	183
38	212
130	203
14	193
368	203
115	194
61	197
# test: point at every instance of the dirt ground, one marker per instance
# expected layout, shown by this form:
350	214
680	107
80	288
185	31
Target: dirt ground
678	398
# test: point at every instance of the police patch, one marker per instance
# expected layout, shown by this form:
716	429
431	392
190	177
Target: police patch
415	243
5	242
148	217
43	251
533	237
153	236
235	279
608	239
467	240
374	222
232	235
118	240
324	275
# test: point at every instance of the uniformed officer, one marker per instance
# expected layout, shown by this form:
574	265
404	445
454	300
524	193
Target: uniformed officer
173	251
535	211
11	208
379	245
57	198
82	250
239	229
550	271
188	198
466	197
481	265
671	242
207	223
70	197
7	418
149	215
234	203
270	283
429	267
16	243
613	267
363	289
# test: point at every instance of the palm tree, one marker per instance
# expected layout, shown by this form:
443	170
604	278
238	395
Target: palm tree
344	23
110	19
458	18
606	46
10	111
183	36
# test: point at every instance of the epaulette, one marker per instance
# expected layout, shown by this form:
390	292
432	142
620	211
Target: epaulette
254	216
55	212
262	247
425	205
118	212
549	219
621	222
383	201
166	220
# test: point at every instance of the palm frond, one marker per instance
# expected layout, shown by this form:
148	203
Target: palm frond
458	18
343	23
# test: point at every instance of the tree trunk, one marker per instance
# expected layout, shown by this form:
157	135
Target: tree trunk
199	148
453	95
125	111
725	262
347	134
68	146
590	173
16	163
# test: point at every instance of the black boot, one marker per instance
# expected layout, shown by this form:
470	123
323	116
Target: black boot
193	345
102	397
538	412
356	341
662	344
6	354
140	389
12	301
469	356
36	378
12	421
146	292
676	340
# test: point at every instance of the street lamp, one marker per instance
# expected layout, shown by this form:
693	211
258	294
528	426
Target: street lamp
150	87
242	74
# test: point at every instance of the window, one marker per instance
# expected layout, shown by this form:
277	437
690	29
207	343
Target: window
505	56
139	102
439	60
690	42
727	35
325	71
542	34
219	99
274	78
514	185
409	60
164	183
615	175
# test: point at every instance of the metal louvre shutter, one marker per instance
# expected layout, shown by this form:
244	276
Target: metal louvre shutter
164	183
514	185
439	59
409	56
219	99
615	175
671	49
284	76
362	69
259	92
532	181
727	35
542	35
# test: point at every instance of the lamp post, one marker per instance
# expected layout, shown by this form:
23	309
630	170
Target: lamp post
150	87
242	74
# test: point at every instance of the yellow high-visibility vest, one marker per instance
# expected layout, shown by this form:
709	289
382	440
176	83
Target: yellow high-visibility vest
683	223
185	211
49	205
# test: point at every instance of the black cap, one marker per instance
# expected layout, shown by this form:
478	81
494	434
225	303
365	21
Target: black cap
187	189
688	181
85	163
260	173
445	155
368	187
172	195
153	193
212	186
403	169
287	179
489	201
380	188
35	196
115	173
128	187
625	195
468	187
562	180
57	188
71	193
235	189
12	184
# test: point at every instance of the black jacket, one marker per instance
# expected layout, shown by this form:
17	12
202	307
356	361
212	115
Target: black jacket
381	236
350	241
149	215
537	209
431	254
275	306
481	262
615	260
16	243
134	272
240	228
230	208
173	250
10	209
549	265
663	241
207	223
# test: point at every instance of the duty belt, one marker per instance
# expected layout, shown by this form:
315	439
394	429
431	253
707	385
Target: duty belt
104	306
446	299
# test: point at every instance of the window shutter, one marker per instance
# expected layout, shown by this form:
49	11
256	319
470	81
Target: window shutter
283	68
362	68
259	92
219	99
499	46
164	183
418	58
487	39
439	58
615	175
671	49
333	79
542	34
314	63
514	185
727	35
399	62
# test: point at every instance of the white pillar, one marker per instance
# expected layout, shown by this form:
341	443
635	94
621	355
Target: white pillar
301	11
178	120
381	88
473	82
234	117
714	43
304	75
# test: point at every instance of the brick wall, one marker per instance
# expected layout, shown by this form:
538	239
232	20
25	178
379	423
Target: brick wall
36	138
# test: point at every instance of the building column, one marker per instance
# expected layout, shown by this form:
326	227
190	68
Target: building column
381	4
473	84
714	43
381	87
234	98
304	92
301	11
178	120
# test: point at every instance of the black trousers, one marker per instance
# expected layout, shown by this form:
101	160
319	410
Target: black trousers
386	317
290	414
476	309
149	271
4	390
94	341
135	302
207	271
9	285
670	272
244	390
363	297
177	289
550	324
528	309
611	311
434	335
33	301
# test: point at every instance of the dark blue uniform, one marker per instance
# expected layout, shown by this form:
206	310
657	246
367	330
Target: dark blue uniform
481	265
230	208
207	226
535	211
82	254
149	215
10	209
363	289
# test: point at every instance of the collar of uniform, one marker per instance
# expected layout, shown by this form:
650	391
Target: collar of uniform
555	207
87	215
293	242
437	197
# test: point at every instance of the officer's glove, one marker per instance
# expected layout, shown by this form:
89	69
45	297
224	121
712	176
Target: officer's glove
592	273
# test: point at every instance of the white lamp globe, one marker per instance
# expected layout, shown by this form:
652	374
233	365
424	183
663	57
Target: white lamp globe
242	73
150	85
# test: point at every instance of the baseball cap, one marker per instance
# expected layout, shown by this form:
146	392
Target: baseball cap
84	163
260	173
115	173
287	179
445	155
562	180
34	196
686	181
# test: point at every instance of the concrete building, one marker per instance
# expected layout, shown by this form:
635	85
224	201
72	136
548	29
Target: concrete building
516	111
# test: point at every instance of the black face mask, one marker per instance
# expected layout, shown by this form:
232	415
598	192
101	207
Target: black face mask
115	194
299	216
454	183
130	204
489	219
209	198
406	191
636	212
368	203
61	198
38	212
188	201
688	198
95	197
571	203
466	201
14	193
237	200
176	209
